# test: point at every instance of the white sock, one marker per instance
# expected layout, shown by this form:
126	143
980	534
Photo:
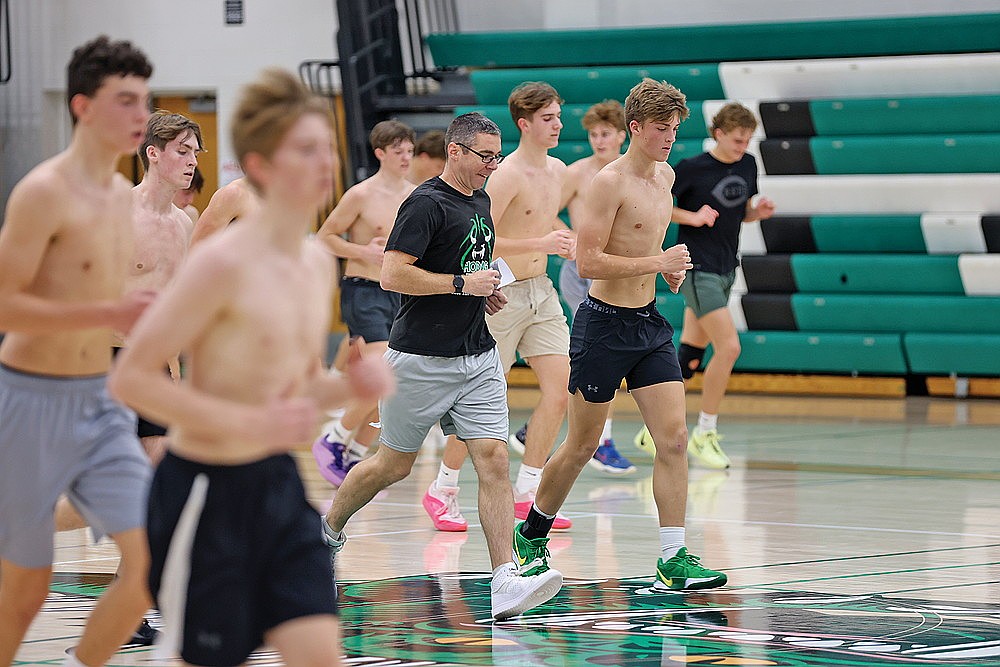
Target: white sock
527	479
338	433
71	660
606	433
447	477
707	422
356	450
671	541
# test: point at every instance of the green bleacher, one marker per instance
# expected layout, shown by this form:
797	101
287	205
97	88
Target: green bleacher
906	115
896	313
893	154
877	274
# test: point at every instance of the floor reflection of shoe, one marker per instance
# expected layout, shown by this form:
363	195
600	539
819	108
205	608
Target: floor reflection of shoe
145	635
703	446
685	572
512	594
442	507
703	489
443	552
332	459
518	439
608	459
644	442
522	505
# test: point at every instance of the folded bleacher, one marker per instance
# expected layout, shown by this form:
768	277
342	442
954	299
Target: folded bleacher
879	141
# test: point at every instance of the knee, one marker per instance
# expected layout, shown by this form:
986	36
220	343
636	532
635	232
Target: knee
27	603
557	396
728	351
672	442
491	463
396	471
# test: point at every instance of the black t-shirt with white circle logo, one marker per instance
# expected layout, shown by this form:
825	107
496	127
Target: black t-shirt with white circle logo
452	233
725	187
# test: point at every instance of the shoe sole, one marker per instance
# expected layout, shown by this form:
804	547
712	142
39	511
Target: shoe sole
551	584
441	525
610	470
324	459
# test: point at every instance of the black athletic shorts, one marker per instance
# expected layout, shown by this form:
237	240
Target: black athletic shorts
367	309
256	561
609	343
144	427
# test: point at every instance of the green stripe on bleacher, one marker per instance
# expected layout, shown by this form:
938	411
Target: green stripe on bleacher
912	154
963	33
945	354
580	85
868	233
692	128
878	274
907	115
797	351
897	313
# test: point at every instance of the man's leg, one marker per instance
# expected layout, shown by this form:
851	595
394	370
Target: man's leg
662	407
307	641
123	604
496	498
440	501
386	467
552	371
704	442
22	593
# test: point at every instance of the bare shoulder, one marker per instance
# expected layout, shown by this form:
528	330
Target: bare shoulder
555	165
665	172
316	255
218	257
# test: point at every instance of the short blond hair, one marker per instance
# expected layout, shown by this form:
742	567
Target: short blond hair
655	101
733	116
267	109
529	97
608	112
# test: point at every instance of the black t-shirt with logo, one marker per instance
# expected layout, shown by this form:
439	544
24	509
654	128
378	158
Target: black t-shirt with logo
448	232
725	187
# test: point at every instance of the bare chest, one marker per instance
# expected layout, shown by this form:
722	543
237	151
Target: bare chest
159	248
534	207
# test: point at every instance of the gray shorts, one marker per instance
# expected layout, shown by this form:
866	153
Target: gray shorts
704	291
65	435
572	287
467	395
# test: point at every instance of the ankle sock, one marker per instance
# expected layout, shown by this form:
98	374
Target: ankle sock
447	477
671	541
707	422
527	479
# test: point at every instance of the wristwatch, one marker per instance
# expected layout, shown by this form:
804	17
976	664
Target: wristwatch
459	283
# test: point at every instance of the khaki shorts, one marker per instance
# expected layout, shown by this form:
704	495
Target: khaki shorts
531	324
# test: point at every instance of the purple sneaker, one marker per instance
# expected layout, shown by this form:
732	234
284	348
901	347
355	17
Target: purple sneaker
331	457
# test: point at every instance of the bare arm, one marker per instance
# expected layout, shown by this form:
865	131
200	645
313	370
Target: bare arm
30	226
225	206
340	221
603	202
703	217
399	274
763	210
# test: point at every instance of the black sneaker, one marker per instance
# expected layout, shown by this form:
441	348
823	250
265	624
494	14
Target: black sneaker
145	635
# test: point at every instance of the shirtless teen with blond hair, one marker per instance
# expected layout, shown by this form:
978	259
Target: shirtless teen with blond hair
259	290
618	334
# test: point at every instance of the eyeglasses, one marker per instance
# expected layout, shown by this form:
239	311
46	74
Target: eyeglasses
485	158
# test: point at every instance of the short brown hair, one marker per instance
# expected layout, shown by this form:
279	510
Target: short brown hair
98	59
608	112
267	108
655	101
529	97
432	143
162	128
389	133
733	116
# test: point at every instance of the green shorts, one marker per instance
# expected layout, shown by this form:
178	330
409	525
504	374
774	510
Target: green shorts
704	292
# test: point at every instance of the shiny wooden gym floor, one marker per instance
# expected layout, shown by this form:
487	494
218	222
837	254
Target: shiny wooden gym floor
854	532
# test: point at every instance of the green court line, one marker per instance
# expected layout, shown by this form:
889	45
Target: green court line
883	471
937	588
872	574
817	561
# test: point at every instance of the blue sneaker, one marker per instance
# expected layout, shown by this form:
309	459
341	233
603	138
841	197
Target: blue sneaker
607	459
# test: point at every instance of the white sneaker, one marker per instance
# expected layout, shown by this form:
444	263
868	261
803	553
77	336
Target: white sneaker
332	540
512	594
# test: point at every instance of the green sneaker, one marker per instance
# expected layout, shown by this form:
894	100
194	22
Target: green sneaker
704	447
530	556
644	442
685	572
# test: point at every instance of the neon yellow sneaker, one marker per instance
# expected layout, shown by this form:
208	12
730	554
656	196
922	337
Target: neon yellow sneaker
644	442
704	447
685	572
530	556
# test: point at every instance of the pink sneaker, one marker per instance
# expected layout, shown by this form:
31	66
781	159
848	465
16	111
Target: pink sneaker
522	505
442	508
331	457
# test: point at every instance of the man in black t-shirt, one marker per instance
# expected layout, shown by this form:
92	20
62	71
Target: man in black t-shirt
714	193
447	367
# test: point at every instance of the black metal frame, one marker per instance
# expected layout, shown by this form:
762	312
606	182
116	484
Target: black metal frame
6	48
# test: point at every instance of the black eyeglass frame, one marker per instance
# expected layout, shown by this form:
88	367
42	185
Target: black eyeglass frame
499	157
